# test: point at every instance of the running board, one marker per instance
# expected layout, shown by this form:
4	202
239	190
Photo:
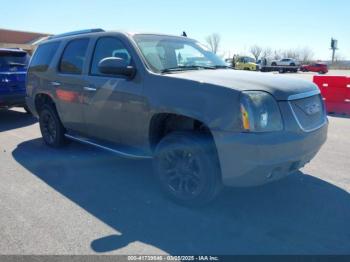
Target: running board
121	153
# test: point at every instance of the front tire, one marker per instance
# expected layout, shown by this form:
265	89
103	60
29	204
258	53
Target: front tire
187	168
51	127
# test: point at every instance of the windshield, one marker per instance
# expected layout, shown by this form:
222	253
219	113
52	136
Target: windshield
246	59
8	58
164	53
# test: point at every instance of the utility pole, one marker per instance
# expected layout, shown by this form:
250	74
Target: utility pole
334	46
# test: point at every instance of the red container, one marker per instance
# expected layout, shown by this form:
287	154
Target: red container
336	93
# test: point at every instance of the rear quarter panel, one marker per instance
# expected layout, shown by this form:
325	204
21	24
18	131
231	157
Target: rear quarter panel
38	82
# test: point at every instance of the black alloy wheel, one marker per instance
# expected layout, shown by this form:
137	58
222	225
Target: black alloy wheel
187	167
51	127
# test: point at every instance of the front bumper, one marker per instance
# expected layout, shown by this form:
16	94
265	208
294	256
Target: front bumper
250	159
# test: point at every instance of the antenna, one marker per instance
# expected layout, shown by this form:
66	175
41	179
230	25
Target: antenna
184	34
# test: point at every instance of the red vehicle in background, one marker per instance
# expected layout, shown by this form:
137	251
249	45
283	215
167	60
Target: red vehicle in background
316	67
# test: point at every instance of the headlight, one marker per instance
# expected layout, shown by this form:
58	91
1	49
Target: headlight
260	112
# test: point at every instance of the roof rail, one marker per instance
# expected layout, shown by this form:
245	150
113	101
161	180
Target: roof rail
95	30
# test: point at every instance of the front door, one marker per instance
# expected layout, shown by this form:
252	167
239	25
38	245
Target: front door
114	107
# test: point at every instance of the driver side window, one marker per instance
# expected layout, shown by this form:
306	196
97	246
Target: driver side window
108	47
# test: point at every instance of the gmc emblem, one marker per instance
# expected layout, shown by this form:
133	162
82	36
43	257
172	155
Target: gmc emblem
312	108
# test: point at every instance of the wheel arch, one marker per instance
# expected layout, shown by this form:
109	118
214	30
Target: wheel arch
163	123
41	99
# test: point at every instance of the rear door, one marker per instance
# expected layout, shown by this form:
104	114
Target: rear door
69	83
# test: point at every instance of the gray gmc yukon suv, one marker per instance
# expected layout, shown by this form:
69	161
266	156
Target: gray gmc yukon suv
168	98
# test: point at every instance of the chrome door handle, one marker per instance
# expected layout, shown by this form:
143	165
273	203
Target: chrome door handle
54	83
88	88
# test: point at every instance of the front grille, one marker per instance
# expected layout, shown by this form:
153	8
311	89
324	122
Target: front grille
309	112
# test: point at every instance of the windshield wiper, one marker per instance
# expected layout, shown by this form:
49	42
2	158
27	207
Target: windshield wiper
184	68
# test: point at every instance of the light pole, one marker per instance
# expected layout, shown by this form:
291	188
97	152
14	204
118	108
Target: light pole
334	46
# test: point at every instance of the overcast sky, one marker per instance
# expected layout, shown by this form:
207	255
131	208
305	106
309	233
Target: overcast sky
277	24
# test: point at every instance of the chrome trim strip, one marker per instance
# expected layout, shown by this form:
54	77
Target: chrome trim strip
312	129
13	73
106	148
304	95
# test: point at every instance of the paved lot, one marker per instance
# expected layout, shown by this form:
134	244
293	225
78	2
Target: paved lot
80	200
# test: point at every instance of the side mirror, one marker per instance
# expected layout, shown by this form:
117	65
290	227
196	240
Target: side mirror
116	66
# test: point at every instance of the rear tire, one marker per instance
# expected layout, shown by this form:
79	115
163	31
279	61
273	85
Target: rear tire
187	168
51	127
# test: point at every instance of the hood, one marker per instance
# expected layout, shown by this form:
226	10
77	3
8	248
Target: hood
281	87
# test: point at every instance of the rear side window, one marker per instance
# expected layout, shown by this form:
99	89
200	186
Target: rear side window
108	47
74	56
42	57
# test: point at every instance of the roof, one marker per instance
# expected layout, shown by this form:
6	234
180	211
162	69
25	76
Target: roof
152	33
74	33
20	37
98	31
